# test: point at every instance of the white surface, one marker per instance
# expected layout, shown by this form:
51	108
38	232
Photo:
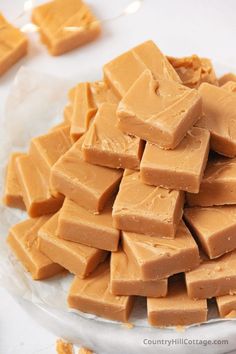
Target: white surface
180	28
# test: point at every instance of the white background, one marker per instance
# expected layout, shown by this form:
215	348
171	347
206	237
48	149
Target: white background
179	27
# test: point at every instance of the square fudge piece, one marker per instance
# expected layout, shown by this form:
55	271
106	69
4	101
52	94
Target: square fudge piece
58	21
13	45
158	110
176	309
146	209
226	305
181	168
106	145
160	258
93	295
226	78
215	228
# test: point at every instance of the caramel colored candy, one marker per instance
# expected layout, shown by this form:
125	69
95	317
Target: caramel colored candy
177	309
12	193
23	240
79	225
13	45
160	258
106	145
219	117
93	295
77	259
230	86
123	71
59	126
181	168
102	93
213	277
88	185
215	228
226	305
146	209
35	188
64	347
159	111
126	278
227	77
57	21
218	186
67	113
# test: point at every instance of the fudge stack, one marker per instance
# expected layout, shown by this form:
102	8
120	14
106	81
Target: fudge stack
125	195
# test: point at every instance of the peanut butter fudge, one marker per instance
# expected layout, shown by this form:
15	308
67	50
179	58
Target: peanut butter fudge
215	228
93	295
79	225
23	240
181	168
123	71
219	117
64	347
58	21
88	185
146	209
213	277
12	193
13	45
102	93
35	188
227	77
226	305
159	258
177	309
159	111
106	145
126	278
218	186
230	86
77	259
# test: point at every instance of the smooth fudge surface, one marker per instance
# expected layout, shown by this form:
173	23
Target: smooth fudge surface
55	20
93	295
76	258
146	209
176	309
123	71
215	228
181	168
79	225
219	117
88	185
35	188
159	258
160	111
218	186
126	278
23	240
213	277
13	196
106	145
227	77
226	305
13	45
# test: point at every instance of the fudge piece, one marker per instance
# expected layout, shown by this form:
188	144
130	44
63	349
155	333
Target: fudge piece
59	126
58	21
226	305
13	45
106	145
177	309
93	295
215	228
23	240
218	186
12	193
77	259
35	188
159	258
159	111
230	86
88	185
126	278
83	350
64	347
213	277
102	93
219	117
181	168
79	225
146	209
123	71
194	70
67	113
227	77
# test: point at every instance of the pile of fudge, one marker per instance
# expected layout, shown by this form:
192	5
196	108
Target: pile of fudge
134	191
